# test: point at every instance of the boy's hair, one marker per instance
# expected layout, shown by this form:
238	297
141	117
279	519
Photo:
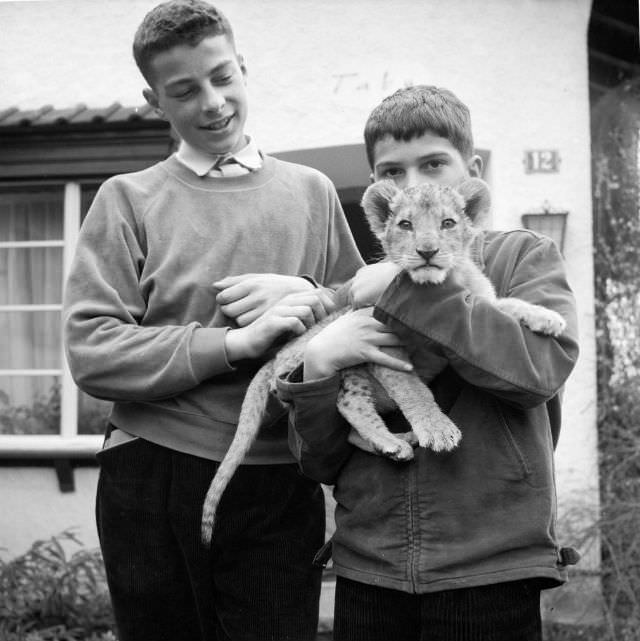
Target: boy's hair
413	111
177	22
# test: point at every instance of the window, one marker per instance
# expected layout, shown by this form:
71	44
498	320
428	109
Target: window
42	412
51	162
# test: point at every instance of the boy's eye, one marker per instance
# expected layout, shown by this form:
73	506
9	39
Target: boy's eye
181	95
435	164
448	223
405	224
222	80
392	172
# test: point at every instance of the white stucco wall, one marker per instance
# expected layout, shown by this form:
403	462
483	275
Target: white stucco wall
316	68
33	507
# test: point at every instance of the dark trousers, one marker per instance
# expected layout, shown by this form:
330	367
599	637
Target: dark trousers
257	581
500	612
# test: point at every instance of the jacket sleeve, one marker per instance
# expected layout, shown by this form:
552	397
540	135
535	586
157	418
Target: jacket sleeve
317	432
111	353
486	347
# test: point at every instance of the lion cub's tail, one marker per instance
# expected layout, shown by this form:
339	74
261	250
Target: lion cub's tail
249	423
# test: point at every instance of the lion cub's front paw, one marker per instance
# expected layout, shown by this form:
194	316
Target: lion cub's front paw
545	321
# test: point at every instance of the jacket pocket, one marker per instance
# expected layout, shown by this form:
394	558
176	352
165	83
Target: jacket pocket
488	449
511	443
528	433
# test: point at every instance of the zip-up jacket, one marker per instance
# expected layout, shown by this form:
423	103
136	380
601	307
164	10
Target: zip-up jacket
485	512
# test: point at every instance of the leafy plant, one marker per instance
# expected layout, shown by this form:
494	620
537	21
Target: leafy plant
560	632
47	595
92	414
42	417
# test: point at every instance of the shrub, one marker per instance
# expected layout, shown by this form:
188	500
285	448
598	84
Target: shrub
616	172
42	417
47	595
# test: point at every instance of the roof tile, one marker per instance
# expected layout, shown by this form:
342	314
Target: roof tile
59	116
79	114
29	117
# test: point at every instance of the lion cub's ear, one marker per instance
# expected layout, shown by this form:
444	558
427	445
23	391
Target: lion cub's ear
477	199
376	202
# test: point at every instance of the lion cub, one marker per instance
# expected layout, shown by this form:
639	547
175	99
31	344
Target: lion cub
427	230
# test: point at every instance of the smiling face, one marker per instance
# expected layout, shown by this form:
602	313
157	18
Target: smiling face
423	159
201	91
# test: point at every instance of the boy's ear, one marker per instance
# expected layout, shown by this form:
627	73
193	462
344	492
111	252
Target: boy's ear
477	199
376	202
475	166
242	65
152	100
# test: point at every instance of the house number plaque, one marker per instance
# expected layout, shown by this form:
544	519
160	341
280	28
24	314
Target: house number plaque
541	161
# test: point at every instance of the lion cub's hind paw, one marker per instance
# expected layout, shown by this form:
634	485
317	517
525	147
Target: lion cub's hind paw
409	437
397	449
443	436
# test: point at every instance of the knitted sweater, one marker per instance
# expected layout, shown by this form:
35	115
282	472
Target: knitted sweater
141	324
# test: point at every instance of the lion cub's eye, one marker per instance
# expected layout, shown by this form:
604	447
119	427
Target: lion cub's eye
448	223
405	224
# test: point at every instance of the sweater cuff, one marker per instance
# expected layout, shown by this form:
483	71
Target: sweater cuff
291	385
310	279
208	354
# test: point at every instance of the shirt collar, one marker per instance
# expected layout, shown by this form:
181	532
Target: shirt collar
201	164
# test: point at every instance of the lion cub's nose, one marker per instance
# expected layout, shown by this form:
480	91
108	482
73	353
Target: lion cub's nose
427	255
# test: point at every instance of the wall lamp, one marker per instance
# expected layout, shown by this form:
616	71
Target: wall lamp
550	223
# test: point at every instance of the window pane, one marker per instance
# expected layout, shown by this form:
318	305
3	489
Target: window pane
31	213
29	405
93	414
30	340
31	275
88	194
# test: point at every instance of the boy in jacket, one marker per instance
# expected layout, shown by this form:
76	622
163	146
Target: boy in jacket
455	545
146	328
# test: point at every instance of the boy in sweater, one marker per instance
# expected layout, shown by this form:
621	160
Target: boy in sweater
451	546
145	329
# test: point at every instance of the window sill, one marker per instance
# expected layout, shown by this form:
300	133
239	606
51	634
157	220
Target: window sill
49	447
63	453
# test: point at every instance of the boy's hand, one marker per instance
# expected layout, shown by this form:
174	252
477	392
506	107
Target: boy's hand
350	340
370	282
294	314
248	296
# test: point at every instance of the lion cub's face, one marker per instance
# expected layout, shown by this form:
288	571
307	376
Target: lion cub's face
424	229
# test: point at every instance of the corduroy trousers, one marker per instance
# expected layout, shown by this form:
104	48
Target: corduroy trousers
500	612
256	583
